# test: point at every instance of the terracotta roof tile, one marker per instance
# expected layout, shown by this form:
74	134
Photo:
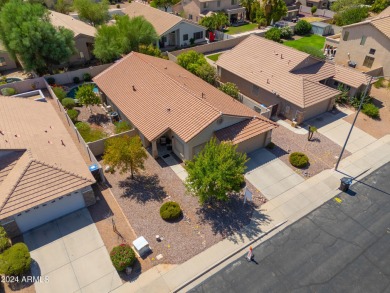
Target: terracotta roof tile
77	26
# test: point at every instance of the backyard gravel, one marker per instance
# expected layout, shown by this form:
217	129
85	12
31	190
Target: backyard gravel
98	119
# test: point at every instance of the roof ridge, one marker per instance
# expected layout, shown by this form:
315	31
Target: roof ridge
139	55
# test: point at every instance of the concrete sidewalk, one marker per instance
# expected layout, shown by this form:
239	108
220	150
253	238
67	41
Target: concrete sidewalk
291	206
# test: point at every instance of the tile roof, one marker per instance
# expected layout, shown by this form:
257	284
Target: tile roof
157	95
39	160
381	22
269	65
243	130
77	26
161	21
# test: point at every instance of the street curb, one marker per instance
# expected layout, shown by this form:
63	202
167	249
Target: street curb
227	257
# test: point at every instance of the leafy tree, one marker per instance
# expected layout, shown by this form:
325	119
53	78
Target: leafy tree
150	50
215	172
248	6
351	15
312	130
286	32
274	10
198	65
163	3
340	5
126	35
63	6
2	3
15	261
215	22
313	9
28	35
379	5
59	92
302	28
231	89
257	12
125	153
86	96
273	34
96	13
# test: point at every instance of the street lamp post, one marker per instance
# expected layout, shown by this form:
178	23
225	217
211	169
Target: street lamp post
354	120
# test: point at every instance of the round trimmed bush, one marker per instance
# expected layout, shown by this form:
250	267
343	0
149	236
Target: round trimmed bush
68	103
371	110
51	80
302	28
122	256
73	114
299	160
76	79
170	211
59	92
4	244
16	260
8	91
87	77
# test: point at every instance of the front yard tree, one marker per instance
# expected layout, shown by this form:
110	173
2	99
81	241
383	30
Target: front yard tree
197	64
274	10
125	153
215	172
248	7
231	89
86	96
96	13
28	35
163	3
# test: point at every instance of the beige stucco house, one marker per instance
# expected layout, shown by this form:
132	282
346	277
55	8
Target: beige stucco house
174	31
166	103
295	84
43	176
365	45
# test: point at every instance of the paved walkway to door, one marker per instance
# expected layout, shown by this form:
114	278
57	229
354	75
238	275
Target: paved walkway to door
71	253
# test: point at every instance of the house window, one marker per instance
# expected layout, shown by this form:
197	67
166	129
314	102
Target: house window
363	40
346	35
368	61
372	51
2	61
185	37
218	3
198	35
164	39
234	2
255	90
190	16
309	4
205	5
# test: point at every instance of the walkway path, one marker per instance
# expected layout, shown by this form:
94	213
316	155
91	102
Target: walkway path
289	206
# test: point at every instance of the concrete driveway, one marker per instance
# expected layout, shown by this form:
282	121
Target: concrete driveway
71	253
269	174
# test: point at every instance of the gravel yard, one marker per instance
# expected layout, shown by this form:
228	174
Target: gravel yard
98	120
322	152
199	228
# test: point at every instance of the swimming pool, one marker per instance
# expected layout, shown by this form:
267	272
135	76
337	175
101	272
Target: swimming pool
73	90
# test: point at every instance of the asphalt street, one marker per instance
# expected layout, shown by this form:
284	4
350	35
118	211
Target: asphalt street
343	246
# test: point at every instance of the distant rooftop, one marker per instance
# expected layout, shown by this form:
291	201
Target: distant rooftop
77	26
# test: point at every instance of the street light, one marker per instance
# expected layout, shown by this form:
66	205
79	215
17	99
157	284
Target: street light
354	120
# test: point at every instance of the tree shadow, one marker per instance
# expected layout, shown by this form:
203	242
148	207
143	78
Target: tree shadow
98	119
25	280
232	219
278	151
135	273
143	188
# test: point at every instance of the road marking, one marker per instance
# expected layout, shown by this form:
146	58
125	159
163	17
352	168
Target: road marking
338	200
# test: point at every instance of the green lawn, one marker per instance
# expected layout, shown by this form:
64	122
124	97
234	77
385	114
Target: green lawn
309	41
232	30
214	57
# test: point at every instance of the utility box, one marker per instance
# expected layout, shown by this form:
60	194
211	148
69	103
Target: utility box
141	246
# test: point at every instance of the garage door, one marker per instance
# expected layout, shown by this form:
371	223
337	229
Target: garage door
49	211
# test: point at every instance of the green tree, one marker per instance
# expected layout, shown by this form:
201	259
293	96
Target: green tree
95	13
163	4
312	130
86	96
273	34
126	35
197	64
28	35
231	89
214	22
302	28
150	50
248	7
125	153
379	5
351	15
274	10
313	9
63	6
340	5
215	172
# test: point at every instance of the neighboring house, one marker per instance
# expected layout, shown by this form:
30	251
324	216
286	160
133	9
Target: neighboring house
84	36
321	4
365	45
6	62
174	31
43	176
295	84
197	9
163	100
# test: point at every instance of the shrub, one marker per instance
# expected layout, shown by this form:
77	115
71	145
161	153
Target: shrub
73	114
371	110
87	77
273	34
299	160
350	15
3	233
313	9
355	101
68	103
302	28
379	83
122	256
231	89
122	126
379	5
118	6
4	244
8	91
76	79
192	41
270	146
59	92
313	52
89	134
286	32
51	80
15	260
170	211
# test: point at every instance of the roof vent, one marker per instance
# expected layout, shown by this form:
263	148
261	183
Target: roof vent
168	109
281	56
267	80
49	142
17	135
165	67
1	132
134	90
203	95
62	142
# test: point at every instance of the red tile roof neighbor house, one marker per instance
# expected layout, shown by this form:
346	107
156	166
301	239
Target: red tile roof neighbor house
39	161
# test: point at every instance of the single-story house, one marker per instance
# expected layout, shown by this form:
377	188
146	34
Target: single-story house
167	103
84	36
173	30
43	176
296	85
